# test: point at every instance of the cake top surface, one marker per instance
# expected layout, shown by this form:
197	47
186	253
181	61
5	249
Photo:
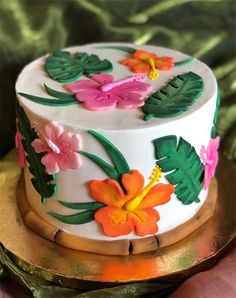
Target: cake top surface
183	86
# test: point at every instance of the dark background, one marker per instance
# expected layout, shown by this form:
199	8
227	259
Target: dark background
204	29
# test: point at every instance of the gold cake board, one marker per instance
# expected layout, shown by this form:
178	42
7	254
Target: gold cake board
72	268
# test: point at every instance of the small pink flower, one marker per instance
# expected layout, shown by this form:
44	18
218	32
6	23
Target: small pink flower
20	149
210	158
102	93
61	148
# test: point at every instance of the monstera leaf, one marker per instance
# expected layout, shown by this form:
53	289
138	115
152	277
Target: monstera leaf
184	165
41	179
64	67
175	98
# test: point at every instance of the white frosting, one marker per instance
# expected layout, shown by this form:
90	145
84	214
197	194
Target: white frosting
125	129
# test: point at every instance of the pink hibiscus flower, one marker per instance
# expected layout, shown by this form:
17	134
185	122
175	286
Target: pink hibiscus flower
103	93
60	147
20	149
210	158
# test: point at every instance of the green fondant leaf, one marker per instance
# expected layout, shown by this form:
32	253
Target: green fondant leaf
184	165
108	169
41	180
120	163
121	48
64	67
74	219
83	206
49	101
213	130
58	94
184	62
175	98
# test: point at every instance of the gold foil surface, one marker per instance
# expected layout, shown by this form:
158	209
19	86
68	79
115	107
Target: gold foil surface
72	268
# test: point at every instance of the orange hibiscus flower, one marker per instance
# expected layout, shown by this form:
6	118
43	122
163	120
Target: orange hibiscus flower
132	209
144	62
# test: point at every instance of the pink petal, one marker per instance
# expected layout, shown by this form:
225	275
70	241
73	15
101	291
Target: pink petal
133	100
95	95
53	131
40	146
69	142
103	78
20	149
106	103
50	160
70	160
81	85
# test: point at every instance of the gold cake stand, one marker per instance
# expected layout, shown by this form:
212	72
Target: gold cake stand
76	269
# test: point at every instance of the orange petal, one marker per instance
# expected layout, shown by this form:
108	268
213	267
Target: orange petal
108	192
133	183
158	195
130	62
114	221
145	221
143	55
164	63
141	68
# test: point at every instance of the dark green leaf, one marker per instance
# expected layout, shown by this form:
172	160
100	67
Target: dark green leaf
213	130
120	163
50	101
120	48
82	206
175	98
74	219
108	169
185	166
65	67
58	94
41	180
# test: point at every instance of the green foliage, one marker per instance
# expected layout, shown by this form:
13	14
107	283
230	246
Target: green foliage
63	67
74	219
120	48
41	180
175	98
213	130
82	206
184	165
120	164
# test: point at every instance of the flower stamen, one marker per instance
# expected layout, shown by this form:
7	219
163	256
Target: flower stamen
154	177
153	74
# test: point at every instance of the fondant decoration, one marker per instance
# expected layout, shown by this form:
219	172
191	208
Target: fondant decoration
132	209
209	156
120	164
60	148
60	99
41	181
20	149
132	51
103	93
213	130
78	218
64	67
144	62
185	61
183	163
175	98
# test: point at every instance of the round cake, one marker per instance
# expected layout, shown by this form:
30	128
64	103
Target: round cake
118	144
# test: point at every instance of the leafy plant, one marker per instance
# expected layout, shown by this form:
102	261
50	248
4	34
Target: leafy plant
120	164
213	130
183	163
65	67
60	99
41	180
175	98
78	218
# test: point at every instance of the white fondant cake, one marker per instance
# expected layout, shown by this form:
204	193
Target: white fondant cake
127	131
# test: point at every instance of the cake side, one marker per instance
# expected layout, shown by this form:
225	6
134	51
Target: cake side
141	146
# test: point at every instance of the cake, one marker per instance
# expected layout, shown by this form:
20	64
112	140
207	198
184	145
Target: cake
118	145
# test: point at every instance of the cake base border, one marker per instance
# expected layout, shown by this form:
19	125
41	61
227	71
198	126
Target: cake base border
121	247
